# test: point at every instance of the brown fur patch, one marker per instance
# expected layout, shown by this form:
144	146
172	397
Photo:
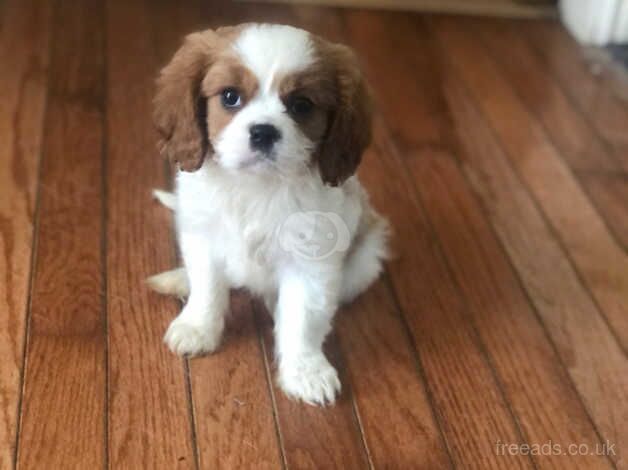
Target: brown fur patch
227	72
180	113
341	120
349	128
317	84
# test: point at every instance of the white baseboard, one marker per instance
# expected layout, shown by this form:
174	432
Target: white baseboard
596	22
620	35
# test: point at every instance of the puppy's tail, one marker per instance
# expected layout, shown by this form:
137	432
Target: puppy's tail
166	198
364	262
173	282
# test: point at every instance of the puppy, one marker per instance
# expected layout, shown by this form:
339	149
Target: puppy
267	125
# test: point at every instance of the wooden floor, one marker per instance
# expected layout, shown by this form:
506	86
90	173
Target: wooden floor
501	160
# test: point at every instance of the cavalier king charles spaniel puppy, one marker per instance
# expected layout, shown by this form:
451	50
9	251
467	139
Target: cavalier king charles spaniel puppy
267	125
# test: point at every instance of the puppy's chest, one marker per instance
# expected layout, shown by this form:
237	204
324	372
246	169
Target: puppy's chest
244	236
250	259
256	230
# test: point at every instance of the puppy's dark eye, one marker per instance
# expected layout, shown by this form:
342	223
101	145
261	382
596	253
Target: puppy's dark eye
230	98
300	106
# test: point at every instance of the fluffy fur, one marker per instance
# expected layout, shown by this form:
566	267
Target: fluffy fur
283	218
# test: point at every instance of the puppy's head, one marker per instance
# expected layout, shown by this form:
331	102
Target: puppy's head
263	98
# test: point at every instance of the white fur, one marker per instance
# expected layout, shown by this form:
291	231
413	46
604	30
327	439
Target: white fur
174	282
273	228
166	198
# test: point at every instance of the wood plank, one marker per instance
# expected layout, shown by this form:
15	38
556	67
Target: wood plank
64	401
508	8
232	402
399	427
602	263
150	423
233	411
391	402
469	402
537	386
591	92
315	437
498	308
24	55
578	143
610	193
593	358
572	135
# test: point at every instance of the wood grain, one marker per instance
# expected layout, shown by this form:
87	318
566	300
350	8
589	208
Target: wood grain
508	8
149	420
24	55
536	385
590	91
498	309
232	403
64	386
526	73
602	264
399	428
593	358
315	437
610	193
578	143
233	413
450	355
391	402
459	378
499	156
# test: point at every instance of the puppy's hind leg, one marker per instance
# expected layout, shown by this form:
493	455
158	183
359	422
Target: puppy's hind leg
364	262
173	282
168	199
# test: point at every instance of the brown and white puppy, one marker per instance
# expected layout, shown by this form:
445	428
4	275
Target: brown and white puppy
267	124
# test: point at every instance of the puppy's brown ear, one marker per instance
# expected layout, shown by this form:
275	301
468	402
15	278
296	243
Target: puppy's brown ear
349	131
180	112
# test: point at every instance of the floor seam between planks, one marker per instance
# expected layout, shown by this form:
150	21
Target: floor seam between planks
269	383
420	371
34	248
476	339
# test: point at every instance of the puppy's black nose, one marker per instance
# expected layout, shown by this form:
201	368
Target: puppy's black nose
263	136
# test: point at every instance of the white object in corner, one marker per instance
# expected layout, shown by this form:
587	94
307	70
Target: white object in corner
596	22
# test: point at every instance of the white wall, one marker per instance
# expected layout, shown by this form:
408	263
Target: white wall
596	22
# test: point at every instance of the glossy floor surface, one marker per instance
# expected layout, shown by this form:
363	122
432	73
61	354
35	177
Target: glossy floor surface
500	156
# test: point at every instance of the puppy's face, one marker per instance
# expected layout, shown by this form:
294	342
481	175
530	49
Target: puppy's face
264	98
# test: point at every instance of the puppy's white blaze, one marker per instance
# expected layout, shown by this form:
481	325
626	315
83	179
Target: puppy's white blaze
270	49
271	76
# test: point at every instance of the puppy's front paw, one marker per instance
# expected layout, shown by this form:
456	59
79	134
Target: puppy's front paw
186	338
309	378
